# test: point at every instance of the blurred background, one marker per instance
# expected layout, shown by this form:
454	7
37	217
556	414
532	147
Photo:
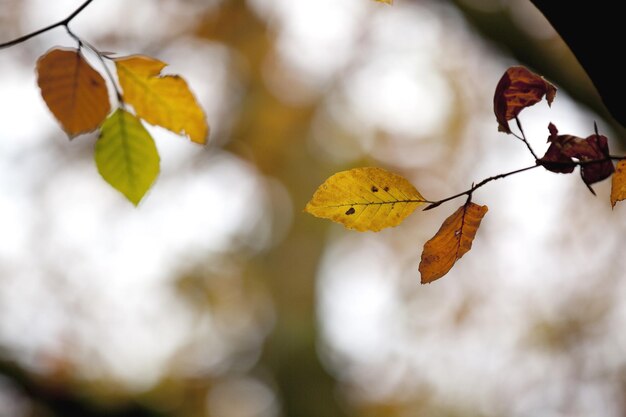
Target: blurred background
219	297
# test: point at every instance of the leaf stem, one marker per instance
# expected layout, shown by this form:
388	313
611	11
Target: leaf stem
63	22
523	138
101	57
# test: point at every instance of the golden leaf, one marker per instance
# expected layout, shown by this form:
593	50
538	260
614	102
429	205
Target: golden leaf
73	91
451	242
618	183
385	1
163	100
365	199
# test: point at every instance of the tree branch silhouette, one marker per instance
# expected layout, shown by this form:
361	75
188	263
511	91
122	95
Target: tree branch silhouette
65	22
538	163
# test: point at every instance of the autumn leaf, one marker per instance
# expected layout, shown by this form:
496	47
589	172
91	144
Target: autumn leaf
365	199
451	242
73	91
618	184
126	155
563	148
385	1
163	100
517	89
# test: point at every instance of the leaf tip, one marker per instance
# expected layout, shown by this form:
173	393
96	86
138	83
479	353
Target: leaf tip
550	92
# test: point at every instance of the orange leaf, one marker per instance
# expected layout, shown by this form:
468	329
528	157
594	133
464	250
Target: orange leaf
75	92
452	241
517	89
618	184
163	100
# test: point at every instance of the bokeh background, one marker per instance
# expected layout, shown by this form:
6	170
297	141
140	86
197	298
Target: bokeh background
219	297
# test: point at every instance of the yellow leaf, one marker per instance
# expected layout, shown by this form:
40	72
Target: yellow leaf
452	241
385	1
75	93
618	183
163	100
365	199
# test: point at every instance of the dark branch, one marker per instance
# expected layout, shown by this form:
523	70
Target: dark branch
63	22
469	192
523	138
101	57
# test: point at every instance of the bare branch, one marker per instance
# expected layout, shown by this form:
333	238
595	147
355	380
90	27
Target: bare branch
63	22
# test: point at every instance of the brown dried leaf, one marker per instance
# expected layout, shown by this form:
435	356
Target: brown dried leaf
451	242
517	89
618	184
563	148
75	92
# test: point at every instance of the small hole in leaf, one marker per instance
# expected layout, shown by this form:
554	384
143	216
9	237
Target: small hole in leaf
374	189
350	211
386	188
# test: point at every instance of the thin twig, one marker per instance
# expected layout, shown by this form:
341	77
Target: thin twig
480	184
101	57
523	138
74	36
539	163
581	163
63	22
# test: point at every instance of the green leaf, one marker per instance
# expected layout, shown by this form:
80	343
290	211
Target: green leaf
126	155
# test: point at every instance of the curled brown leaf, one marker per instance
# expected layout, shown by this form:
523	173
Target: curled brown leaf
517	89
592	153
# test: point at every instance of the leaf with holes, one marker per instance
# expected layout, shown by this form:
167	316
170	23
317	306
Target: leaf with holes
75	92
618	183
163	100
517	89
365	199
452	241
126	155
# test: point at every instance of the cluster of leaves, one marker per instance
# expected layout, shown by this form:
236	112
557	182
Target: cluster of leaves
125	153
370	199
78	96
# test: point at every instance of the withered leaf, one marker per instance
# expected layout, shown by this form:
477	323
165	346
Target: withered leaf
75	92
365	199
517	89
563	148
452	241
618	184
